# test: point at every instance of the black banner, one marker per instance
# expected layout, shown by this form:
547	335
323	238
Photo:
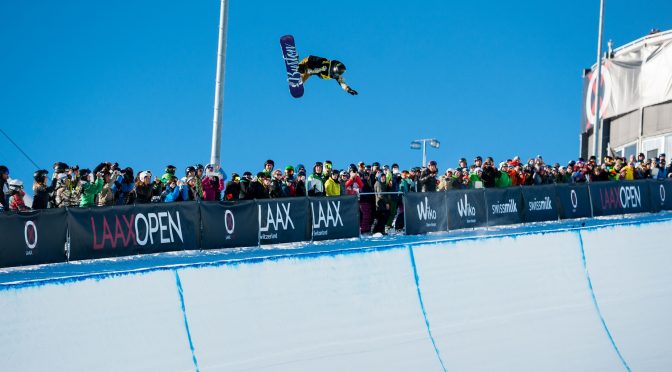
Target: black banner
283	220
122	231
540	203
620	197
229	224
466	209
573	201
425	212
505	206
32	238
334	217
661	195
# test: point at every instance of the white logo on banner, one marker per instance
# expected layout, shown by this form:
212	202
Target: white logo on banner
154	222
591	99
229	222
662	194
541	205
504	208
279	220
465	209
30	234
324	220
630	197
574	198
425	212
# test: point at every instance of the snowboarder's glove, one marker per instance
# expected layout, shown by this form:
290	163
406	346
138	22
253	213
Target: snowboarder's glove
352	91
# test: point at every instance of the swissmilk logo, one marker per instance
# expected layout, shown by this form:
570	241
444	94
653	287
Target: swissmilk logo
425	212
541	205
504	208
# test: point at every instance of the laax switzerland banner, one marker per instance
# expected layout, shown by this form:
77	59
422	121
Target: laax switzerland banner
32	238
425	212
283	220
229	224
143	228
334	217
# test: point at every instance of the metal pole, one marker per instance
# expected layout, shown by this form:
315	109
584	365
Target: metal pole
596	127
219	85
424	153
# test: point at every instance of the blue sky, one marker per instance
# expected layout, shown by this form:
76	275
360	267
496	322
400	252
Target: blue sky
133	82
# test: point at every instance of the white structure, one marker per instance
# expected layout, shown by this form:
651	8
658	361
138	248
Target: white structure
636	104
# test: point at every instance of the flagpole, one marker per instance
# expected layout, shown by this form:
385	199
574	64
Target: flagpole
219	85
598	80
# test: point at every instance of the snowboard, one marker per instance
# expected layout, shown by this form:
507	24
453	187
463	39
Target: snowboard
291	57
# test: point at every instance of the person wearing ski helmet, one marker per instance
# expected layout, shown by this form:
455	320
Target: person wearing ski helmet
324	69
315	182
41	191
170	172
16	195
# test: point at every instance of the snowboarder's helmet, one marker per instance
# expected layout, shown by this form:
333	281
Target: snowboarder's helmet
39	175
170	169
189	169
337	69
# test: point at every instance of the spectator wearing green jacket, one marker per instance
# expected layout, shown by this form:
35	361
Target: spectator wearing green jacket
89	189
503	181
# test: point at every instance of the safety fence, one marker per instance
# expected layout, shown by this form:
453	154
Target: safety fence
59	235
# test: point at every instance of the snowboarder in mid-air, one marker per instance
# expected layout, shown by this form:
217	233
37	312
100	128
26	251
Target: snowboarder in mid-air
324	69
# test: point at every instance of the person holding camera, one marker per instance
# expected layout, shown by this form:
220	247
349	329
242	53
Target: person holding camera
175	190
89	187
41	191
427	180
212	183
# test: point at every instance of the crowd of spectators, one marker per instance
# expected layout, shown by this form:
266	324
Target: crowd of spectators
378	187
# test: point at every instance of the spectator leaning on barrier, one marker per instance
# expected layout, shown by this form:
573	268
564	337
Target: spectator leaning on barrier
170	172
300	184
40	189
259	188
4	187
106	195
232	190
125	187
332	186
275	189
315	183
90	185
143	187
175	190
16	195
503	181
427	180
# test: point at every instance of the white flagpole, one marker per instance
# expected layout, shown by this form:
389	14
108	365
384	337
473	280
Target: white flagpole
219	85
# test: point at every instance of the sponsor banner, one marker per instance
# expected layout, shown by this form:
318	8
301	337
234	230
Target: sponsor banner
466	209
661	195
620	197
540	203
33	238
504	206
334	217
143	228
283	220
229	224
425	212
573	201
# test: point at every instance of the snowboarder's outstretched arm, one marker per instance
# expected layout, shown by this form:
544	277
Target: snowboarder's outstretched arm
345	86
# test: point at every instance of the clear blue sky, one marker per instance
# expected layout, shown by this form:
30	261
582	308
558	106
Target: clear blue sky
133	81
